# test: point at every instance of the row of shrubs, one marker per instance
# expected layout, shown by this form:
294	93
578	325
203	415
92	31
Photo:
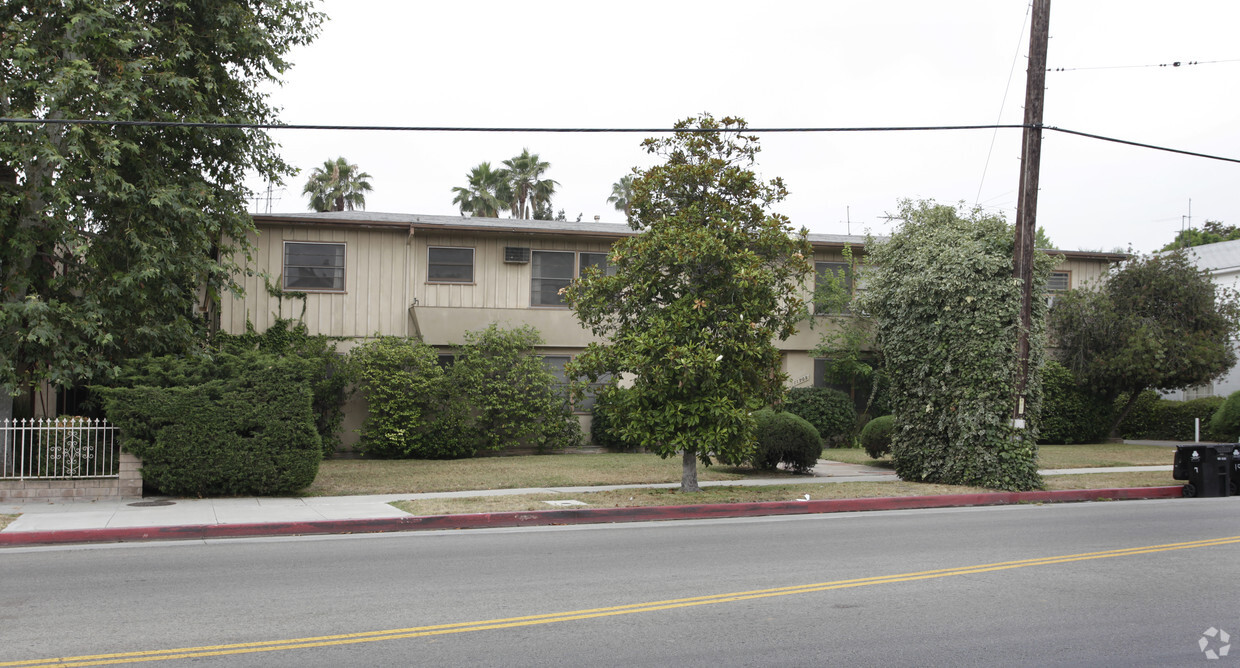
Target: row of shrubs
255	414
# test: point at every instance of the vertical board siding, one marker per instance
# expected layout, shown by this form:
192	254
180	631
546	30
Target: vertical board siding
375	285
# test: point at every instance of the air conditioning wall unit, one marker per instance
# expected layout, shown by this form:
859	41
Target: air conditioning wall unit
515	255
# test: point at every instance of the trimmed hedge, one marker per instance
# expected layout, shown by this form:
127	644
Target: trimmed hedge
249	435
1225	422
785	438
876	436
1160	419
1070	414
830	411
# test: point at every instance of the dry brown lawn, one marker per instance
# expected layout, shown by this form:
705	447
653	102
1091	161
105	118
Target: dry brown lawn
1091	455
5	520
634	498
339	477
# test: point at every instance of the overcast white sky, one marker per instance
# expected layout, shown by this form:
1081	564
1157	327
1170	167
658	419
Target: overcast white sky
788	64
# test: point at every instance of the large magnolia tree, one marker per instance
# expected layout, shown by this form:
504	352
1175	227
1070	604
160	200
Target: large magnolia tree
697	298
112	237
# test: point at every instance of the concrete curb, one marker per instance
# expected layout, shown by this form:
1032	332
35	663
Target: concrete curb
575	516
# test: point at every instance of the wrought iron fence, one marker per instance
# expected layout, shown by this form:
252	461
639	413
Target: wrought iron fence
66	447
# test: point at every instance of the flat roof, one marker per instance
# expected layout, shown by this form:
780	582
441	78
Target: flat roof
369	219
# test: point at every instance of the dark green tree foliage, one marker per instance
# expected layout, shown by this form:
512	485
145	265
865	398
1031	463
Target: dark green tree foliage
784	438
604	426
1156	323
697	298
946	309
512	397
830	411
876	436
1226	419
108	234
1070	413
1212	232
327	373
410	410
249	432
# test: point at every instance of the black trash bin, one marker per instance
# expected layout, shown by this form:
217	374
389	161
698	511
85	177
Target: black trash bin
1206	468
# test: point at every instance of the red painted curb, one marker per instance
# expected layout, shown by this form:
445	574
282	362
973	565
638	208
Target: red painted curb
583	516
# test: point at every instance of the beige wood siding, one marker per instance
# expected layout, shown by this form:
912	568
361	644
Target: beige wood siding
496	284
375	285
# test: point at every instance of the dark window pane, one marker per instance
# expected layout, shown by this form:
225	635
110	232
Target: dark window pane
450	265
313	266
596	260
550	271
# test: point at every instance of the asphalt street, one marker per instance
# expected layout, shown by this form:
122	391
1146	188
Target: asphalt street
1116	583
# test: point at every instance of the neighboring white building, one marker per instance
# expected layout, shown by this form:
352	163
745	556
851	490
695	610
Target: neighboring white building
1222	260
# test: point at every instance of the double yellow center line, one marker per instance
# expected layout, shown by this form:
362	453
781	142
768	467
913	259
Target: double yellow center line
534	620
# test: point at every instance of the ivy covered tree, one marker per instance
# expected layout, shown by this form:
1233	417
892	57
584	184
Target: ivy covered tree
113	236
946	311
696	299
1156	322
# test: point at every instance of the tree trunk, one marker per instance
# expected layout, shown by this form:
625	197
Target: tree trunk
1113	433
688	472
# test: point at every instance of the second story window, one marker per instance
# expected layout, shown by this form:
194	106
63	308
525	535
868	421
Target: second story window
449	265
550	271
314	266
1059	281
596	260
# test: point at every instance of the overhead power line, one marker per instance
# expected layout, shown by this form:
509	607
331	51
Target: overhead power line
1173	64
431	128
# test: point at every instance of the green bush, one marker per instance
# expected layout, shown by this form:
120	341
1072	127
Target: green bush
330	377
250	434
876	436
785	438
513	397
1225	423
830	411
604	420
1070	414
1160	419
410	413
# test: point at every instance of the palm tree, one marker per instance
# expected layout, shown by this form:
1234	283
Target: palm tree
527	190
622	194
486	193
337	186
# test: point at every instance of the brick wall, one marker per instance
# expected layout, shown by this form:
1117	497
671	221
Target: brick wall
127	486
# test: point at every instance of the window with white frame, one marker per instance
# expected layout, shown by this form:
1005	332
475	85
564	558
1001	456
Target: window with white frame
595	260
1059	281
313	266
449	265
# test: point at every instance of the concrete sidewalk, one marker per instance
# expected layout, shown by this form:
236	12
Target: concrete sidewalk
86	516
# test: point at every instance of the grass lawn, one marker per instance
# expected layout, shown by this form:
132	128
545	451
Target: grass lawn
667	497
1091	455
5	520
341	477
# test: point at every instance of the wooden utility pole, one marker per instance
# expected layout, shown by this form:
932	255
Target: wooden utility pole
1027	202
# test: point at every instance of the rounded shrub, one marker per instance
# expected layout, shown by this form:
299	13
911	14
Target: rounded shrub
830	411
876	436
785	438
1225	423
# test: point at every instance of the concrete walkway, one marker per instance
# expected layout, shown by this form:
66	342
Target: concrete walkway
161	512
